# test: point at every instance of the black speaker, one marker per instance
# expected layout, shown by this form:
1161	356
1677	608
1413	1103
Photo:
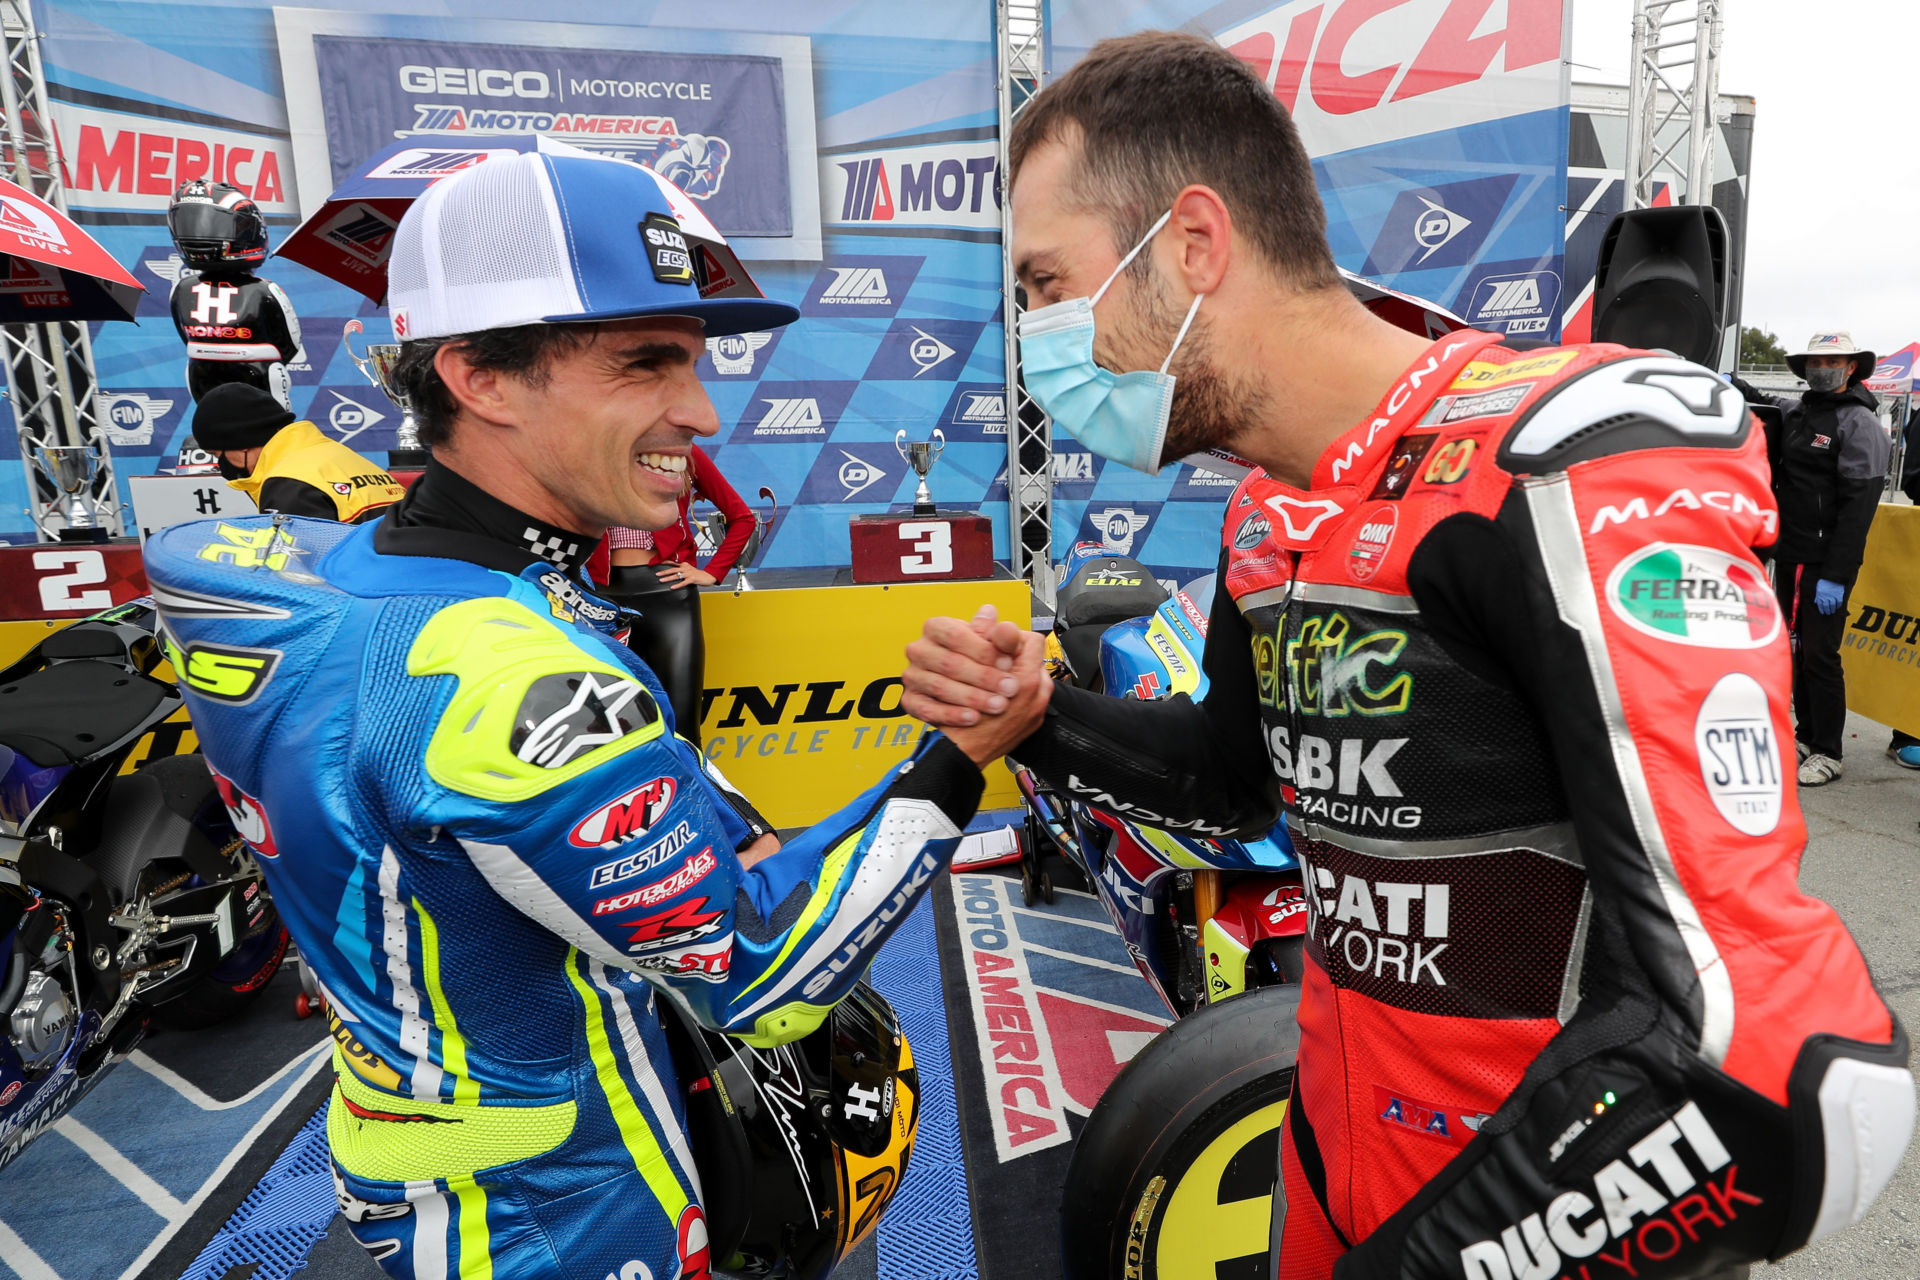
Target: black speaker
1662	281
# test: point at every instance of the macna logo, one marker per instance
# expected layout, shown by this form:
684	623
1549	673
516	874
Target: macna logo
1695	596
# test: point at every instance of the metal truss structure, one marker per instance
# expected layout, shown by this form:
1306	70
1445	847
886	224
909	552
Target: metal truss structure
1673	87
50	375
1029	430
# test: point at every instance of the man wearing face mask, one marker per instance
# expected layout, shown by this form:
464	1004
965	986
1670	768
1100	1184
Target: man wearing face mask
1831	469
285	465
1491	636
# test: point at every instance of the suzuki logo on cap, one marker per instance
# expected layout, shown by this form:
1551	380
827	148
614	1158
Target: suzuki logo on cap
1435	227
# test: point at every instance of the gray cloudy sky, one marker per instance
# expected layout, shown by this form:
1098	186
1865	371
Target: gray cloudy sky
1834	196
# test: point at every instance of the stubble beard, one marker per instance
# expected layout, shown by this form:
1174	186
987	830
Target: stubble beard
1210	408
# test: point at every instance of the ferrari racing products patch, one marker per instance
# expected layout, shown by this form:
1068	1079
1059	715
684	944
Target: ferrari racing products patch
1694	595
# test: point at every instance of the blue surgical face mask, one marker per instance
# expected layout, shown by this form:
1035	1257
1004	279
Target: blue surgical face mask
1119	416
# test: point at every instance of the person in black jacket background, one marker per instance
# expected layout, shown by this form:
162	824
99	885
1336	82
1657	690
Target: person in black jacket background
1831	468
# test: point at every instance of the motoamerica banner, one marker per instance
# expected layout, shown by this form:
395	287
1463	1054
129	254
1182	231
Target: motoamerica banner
764	111
1881	648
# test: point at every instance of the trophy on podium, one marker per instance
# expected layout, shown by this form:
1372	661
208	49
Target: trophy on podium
71	468
921	455
377	367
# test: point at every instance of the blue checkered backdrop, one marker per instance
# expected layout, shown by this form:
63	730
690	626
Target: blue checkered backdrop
847	151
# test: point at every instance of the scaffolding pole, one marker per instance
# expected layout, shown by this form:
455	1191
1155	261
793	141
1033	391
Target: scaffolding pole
1673	89
50	374
1029	430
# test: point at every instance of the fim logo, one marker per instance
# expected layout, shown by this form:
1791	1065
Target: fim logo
130	416
1117	527
733	355
167	268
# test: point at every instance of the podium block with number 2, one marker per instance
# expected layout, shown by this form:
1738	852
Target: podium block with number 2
910	548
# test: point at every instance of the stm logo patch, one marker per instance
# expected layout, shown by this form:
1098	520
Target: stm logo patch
626	818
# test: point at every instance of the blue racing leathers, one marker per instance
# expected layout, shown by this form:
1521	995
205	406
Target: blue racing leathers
498	858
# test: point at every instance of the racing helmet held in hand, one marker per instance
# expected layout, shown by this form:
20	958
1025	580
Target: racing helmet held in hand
216	226
802	1146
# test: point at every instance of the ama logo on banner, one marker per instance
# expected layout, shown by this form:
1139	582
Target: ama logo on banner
862	285
856	472
789	412
925	350
1433	227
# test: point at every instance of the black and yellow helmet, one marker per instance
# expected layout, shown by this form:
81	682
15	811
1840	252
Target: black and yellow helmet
800	1147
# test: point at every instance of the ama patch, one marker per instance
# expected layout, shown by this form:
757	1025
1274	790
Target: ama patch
1695	596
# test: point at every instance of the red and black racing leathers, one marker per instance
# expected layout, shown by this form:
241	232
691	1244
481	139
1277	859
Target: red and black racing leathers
1516	679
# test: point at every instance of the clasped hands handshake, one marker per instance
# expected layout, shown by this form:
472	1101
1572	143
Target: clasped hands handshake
980	681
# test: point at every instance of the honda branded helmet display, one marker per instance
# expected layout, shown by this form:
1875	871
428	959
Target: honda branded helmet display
216	226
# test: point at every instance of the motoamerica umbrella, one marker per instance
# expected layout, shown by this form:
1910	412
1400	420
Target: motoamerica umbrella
54	270
349	237
1893	376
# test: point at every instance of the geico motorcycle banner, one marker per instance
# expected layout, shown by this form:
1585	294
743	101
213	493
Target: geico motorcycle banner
1881	648
801	708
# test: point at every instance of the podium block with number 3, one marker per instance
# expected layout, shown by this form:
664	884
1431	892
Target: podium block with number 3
912	548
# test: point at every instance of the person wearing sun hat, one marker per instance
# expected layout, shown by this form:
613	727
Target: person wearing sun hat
504	867
1828	480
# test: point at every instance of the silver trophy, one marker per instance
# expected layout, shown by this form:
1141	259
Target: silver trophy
921	455
376	366
71	468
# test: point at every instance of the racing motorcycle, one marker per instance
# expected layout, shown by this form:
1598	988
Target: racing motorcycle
1189	1130
126	895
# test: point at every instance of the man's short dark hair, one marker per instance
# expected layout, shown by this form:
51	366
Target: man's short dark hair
1159	111
522	351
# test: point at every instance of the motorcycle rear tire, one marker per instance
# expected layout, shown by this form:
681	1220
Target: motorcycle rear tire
218	996
1195	1117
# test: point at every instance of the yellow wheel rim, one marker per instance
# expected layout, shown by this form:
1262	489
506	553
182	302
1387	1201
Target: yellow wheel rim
1197	1232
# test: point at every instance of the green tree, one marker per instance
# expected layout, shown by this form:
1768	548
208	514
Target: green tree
1758	348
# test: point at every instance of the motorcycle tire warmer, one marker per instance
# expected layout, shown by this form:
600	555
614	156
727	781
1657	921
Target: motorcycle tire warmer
1524	693
498	857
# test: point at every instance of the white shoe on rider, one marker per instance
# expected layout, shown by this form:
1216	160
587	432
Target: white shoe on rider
1818	770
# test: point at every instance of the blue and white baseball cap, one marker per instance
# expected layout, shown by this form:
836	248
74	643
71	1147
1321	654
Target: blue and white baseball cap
559	235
